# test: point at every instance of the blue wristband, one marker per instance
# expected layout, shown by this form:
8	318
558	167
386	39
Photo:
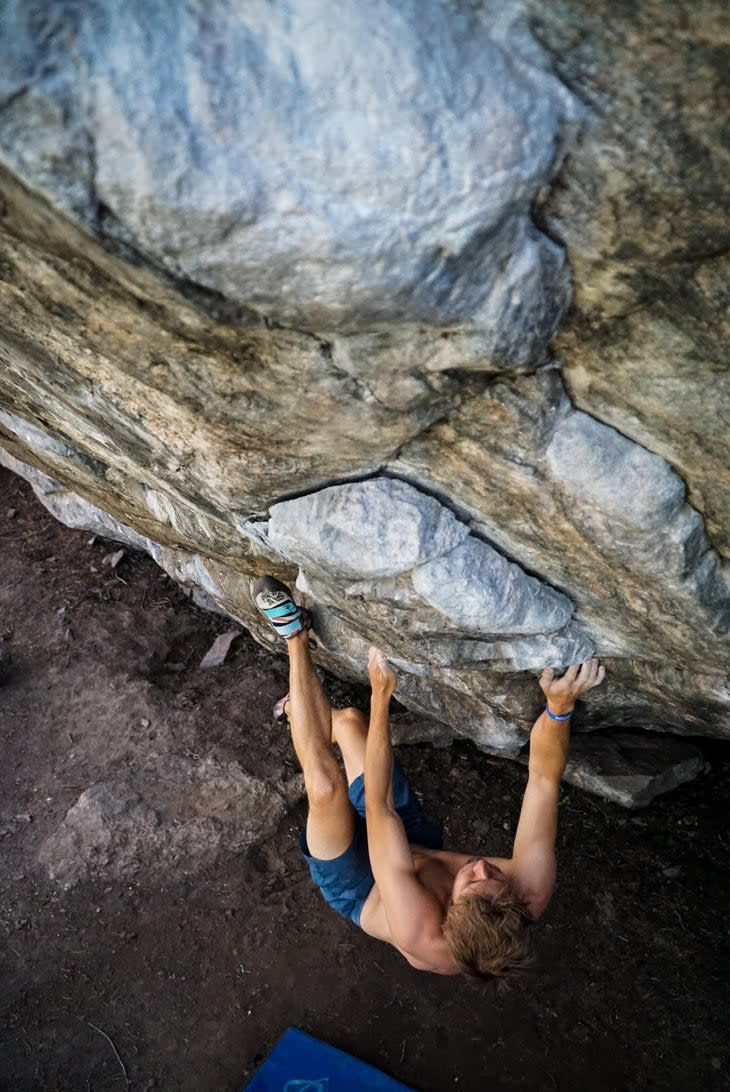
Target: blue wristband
558	716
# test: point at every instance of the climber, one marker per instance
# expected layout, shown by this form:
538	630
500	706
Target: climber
376	857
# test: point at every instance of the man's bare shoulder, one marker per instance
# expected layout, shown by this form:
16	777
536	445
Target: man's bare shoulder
374	920
434	960
428	950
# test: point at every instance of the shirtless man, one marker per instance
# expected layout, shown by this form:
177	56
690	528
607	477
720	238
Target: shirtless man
373	853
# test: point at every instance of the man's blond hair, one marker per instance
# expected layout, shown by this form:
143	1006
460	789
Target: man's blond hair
489	936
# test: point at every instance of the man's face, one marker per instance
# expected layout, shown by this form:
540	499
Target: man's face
477	877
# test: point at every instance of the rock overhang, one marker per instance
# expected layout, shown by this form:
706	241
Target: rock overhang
150	411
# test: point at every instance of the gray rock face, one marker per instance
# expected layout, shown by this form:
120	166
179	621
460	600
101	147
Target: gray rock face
475	587
365	530
281	169
631	769
182	815
621	482
643	213
448	597
73	510
575	479
315	270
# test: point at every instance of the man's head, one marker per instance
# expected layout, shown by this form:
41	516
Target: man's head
487	927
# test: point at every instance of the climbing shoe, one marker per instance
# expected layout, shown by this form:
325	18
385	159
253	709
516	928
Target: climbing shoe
276	603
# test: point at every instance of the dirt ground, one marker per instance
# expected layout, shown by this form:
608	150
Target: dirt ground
187	983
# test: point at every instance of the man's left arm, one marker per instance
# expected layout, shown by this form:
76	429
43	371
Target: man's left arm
533	856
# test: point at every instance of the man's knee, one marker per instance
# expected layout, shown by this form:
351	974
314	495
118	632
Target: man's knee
326	787
349	716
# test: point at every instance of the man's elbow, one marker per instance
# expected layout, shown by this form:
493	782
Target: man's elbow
377	809
547	763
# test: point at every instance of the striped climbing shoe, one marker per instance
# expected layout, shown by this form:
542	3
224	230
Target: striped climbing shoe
276	603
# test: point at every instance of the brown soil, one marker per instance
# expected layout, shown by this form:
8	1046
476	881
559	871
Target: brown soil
194	979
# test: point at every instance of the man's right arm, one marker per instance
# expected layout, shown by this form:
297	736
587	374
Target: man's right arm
533	856
412	913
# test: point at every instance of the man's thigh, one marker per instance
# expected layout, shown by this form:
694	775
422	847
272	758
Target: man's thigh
350	733
418	827
331	818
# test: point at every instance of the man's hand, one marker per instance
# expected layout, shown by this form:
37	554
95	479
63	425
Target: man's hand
563	693
382	676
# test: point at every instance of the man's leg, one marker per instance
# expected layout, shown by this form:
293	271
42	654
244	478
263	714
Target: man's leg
330	822
349	730
350	733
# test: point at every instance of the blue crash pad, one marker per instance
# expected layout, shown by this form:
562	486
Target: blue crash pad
299	1063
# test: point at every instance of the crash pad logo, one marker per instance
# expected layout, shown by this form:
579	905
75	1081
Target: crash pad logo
308	1086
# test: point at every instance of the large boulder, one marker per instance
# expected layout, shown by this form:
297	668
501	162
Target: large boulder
286	288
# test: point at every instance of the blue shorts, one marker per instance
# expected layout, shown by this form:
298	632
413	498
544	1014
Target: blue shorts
347	880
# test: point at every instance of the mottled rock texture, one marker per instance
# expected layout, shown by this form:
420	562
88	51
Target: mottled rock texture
179	815
631	769
332	165
286	287
642	210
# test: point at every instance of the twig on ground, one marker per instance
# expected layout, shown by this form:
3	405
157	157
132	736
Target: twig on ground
116	1052
88	595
